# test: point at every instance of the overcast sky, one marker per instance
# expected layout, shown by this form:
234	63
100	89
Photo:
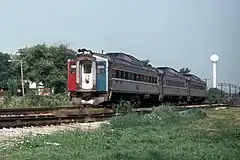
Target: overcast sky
176	33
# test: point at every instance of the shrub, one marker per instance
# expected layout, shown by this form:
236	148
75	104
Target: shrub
161	116
123	106
33	100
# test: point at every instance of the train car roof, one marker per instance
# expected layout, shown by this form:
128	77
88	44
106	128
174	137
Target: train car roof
128	58
169	69
194	77
122	56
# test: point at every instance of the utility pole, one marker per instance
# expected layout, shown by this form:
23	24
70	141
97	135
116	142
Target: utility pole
206	80
239	91
235	92
221	90
21	66
21	63
230	91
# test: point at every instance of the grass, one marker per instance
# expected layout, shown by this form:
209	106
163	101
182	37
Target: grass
164	134
31	100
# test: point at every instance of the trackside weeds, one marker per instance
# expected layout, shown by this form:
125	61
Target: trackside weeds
32	100
164	134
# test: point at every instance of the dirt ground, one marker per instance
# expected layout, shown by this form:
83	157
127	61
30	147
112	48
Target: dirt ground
11	133
2	138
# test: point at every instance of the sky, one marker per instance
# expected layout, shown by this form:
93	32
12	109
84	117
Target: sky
167	32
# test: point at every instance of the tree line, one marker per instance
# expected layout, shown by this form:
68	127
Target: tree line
41	63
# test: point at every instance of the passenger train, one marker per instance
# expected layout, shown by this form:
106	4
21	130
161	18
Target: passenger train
97	78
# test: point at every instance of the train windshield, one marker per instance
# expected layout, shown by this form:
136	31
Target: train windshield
87	68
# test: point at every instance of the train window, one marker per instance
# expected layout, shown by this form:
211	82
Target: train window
102	70
166	82
126	75
135	77
175	83
98	70
87	67
122	74
147	79
73	66
142	78
155	80
131	76
117	74
152	79
114	73
139	77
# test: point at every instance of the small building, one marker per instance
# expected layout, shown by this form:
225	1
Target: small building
40	89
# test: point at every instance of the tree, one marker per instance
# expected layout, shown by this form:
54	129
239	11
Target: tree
6	71
145	62
184	71
46	64
215	95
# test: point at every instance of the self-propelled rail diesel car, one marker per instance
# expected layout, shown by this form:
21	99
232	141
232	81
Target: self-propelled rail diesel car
96	78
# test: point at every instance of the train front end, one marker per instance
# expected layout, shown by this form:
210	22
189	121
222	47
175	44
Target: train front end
88	78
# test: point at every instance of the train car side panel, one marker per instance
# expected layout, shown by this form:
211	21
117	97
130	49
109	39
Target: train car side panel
101	76
197	90
72	86
102	73
174	87
130	86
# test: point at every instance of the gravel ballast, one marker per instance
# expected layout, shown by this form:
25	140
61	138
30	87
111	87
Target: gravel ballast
9	133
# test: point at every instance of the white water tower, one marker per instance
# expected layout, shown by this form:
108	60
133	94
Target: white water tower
214	58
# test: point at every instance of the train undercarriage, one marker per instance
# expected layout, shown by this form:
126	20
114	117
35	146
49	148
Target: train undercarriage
141	100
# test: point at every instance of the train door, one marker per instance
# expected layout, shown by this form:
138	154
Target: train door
101	76
87	75
72	75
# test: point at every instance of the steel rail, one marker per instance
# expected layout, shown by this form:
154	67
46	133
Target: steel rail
25	111
21	121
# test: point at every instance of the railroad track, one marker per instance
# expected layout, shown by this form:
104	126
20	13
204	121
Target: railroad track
36	110
40	120
24	119
20	121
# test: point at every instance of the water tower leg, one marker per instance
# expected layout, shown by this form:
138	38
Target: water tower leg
214	75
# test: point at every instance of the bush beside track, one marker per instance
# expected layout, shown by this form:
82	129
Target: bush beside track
32	100
166	133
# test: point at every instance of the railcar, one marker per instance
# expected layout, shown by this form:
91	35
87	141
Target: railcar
88	78
131	80
175	86
197	89
95	78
